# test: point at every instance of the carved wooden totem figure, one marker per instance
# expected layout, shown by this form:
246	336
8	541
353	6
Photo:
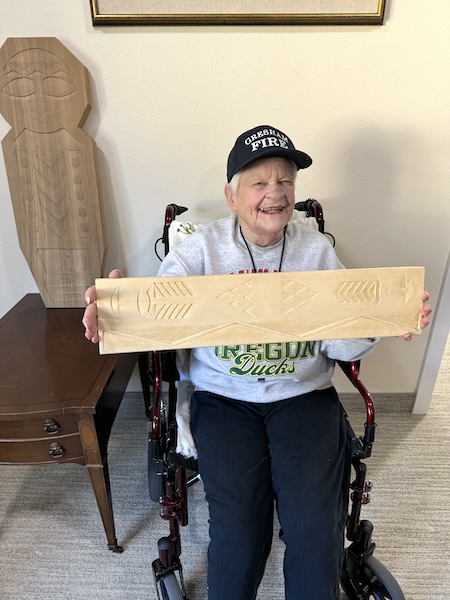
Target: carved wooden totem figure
52	167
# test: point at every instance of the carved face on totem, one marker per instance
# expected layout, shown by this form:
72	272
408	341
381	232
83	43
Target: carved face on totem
41	91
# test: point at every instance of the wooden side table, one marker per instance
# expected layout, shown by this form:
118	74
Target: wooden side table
58	396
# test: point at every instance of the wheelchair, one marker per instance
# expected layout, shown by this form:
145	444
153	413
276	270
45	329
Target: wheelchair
363	577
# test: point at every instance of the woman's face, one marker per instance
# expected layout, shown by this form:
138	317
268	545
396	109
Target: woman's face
265	198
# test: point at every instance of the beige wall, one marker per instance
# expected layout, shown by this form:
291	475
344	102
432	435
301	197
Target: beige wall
370	104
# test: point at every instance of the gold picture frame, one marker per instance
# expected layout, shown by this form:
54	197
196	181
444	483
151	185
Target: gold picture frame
237	12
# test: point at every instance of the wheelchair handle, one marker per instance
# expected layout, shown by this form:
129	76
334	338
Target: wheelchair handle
312	208
172	211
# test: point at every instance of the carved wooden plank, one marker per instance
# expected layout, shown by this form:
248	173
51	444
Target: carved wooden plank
160	313
51	165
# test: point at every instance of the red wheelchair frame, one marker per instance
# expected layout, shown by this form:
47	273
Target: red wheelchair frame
363	576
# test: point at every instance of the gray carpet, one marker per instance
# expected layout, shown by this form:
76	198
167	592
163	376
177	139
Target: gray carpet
52	543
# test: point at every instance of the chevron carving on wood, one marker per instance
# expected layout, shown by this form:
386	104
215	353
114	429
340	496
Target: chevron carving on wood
160	313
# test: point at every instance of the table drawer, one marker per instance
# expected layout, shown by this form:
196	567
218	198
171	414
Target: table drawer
59	449
38	427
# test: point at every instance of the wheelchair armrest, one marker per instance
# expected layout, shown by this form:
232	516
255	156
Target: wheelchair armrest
163	369
155	416
351	370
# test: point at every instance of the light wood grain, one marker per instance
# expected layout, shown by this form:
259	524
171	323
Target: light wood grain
140	314
52	169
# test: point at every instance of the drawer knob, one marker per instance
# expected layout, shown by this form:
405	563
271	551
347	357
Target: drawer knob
56	450
51	426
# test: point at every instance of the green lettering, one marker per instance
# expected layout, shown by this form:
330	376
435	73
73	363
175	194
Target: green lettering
255	349
292	349
272	351
309	350
243	364
285	368
224	352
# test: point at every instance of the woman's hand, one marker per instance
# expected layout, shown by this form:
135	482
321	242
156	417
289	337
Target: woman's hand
426	311
89	319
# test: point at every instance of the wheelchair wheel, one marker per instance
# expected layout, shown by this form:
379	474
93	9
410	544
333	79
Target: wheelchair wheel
369	581
170	587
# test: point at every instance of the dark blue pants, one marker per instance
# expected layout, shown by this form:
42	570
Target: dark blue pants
292	454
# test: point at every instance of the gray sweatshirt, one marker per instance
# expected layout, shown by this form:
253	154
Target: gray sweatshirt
259	372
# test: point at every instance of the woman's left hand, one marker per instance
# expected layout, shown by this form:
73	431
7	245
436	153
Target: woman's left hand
426	311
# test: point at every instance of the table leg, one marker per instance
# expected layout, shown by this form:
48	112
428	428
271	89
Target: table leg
99	475
100	482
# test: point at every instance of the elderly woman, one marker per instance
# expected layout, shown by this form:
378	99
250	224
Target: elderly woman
266	420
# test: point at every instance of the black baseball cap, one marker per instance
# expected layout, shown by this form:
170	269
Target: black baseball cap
262	142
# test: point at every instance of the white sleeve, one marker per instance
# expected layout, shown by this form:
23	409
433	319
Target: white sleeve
348	350
182	362
185	440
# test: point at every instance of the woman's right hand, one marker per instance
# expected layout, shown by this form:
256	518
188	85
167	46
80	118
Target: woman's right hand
89	319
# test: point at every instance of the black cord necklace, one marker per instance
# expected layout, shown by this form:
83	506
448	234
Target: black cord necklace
251	255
